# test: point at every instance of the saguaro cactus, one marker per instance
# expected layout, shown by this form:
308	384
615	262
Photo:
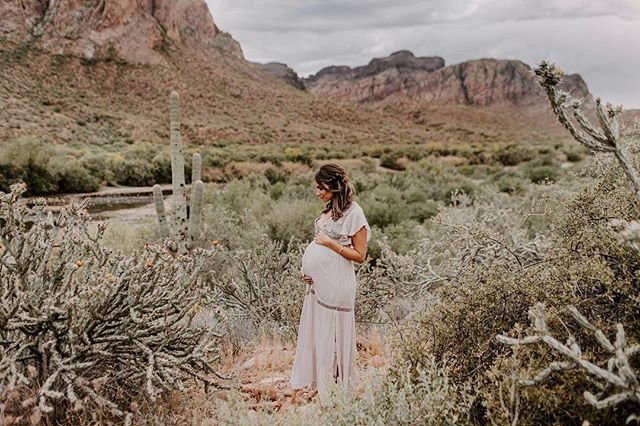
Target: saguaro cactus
184	228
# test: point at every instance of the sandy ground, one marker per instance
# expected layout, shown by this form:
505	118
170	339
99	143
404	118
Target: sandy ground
264	372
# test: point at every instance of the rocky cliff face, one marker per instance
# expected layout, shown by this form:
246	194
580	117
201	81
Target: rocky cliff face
134	30
402	77
280	71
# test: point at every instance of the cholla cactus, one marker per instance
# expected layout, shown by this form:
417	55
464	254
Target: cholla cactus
604	139
263	284
81	326
628	232
185	228
618	380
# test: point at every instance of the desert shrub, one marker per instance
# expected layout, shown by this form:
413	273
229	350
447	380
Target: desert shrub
231	229
538	174
513	155
263	284
419	206
9	174
402	237
240	194
27	161
508	181
574	156
161	164
292	218
390	161
384	206
85	330
274	176
277	190
96	165
437	181
72	176
131	171
499	273
299	155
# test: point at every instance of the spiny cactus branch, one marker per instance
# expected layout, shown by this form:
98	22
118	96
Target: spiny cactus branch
605	139
618	374
195	212
160	211
196	168
628	232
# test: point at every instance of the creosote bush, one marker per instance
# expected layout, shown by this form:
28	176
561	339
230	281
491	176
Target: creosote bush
86	331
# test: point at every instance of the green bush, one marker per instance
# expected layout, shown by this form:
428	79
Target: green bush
72	176
390	161
538	174
43	169
508	182
274	175
513	155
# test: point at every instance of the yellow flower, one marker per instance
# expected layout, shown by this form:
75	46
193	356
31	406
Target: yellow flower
79	263
109	276
215	242
149	264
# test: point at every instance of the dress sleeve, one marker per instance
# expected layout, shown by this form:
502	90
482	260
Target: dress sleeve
354	221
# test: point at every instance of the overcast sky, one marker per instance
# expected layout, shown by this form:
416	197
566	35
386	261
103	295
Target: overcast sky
599	39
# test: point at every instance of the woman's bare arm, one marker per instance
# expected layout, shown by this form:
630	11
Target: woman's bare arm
359	251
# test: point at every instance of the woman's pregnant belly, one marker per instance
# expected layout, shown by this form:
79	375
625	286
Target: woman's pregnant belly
333	275
317	260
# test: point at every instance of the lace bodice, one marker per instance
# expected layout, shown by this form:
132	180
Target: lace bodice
345	227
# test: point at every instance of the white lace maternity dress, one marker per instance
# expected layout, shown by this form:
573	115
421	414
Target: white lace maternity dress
326	345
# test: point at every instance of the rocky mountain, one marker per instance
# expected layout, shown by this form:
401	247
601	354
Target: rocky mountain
402	77
95	75
282	72
136	31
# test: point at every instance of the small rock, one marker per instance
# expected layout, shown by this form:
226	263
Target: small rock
273	380
222	395
377	361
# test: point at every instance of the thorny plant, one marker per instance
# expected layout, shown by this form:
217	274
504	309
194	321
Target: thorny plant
263	284
618	381
82	326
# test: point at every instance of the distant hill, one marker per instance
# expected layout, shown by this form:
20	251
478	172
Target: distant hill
402	77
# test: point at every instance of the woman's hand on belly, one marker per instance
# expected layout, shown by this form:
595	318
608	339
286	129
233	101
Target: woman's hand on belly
306	278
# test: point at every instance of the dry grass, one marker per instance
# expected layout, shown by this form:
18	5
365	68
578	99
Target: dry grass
260	377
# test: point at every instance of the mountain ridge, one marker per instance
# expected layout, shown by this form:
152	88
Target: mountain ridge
397	78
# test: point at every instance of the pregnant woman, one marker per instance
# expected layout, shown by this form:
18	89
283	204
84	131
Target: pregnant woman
326	347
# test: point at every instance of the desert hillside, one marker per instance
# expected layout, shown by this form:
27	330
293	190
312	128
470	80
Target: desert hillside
99	74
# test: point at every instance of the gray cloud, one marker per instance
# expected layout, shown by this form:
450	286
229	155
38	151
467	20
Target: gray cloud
599	40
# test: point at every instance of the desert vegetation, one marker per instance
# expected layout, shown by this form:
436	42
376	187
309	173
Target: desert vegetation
503	277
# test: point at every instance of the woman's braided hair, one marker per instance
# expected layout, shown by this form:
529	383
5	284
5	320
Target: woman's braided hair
334	178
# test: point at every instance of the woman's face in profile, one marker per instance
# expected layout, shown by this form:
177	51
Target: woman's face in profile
323	193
